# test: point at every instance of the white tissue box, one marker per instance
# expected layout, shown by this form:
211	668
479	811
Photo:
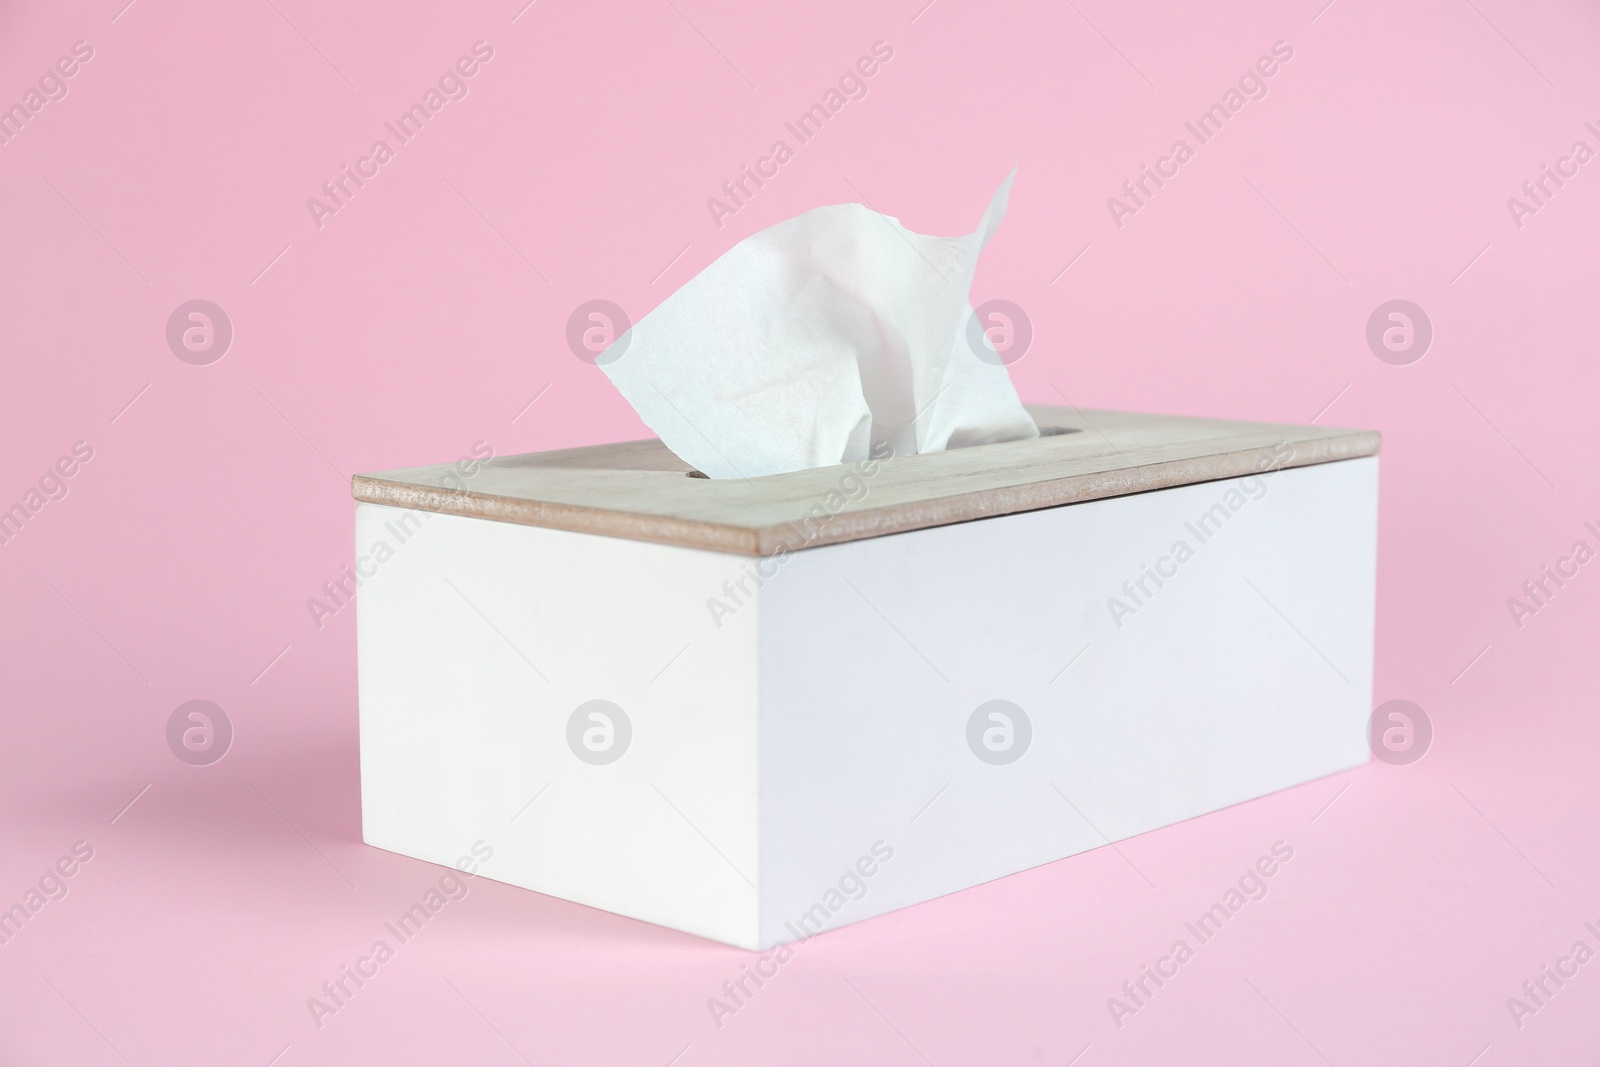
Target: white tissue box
756	710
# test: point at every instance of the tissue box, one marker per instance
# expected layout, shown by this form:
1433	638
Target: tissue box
757	710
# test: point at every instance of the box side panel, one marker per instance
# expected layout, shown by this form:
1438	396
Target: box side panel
483	648
1163	655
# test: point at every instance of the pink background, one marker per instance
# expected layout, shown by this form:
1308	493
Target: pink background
428	312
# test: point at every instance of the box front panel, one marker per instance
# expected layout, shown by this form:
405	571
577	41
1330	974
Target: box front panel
944	707
567	703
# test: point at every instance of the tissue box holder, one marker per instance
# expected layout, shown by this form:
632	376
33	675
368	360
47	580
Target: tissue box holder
757	710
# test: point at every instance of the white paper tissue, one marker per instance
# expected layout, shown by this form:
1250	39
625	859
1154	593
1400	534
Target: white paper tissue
817	340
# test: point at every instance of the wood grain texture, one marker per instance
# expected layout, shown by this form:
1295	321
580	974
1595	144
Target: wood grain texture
640	490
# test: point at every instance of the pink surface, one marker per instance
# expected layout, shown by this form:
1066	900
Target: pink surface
430	310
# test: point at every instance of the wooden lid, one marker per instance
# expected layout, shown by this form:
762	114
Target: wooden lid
640	490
